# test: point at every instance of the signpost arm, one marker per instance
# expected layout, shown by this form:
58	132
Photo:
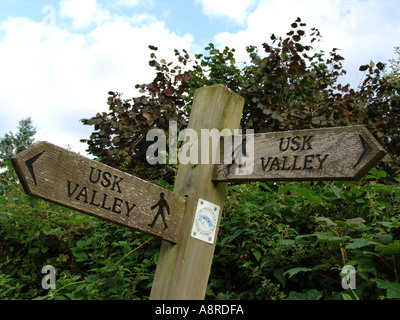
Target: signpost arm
183	269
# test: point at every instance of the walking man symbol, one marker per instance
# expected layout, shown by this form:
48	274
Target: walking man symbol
161	204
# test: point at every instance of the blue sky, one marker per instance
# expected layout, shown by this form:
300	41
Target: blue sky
58	59
180	16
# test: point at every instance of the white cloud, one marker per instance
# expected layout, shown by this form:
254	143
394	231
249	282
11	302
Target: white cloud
236	10
133	3
83	13
362	30
59	77
128	3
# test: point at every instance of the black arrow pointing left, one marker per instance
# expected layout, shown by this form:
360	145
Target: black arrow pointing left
29	164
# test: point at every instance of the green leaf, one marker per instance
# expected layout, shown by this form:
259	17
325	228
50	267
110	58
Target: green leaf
257	254
390	224
359	243
79	254
346	296
325	266
381	174
389	249
328	221
355	191
229	238
312	294
323	235
307	194
33	250
356	223
393	288
337	193
44	249
279	274
372	174
305	238
286	242
293	271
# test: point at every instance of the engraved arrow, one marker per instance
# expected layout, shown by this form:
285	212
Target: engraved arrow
239	155
367	150
29	164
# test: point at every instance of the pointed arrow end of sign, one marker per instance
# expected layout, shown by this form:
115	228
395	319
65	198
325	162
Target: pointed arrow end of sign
366	151
29	164
25	167
372	153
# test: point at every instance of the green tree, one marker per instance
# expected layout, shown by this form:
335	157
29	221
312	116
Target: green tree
11	143
394	66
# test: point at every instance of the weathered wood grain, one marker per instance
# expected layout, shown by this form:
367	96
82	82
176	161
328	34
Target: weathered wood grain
183	269
63	177
339	153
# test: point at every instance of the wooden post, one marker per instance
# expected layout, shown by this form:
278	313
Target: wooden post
183	269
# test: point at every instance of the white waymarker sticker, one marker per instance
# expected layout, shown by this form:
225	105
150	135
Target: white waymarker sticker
205	221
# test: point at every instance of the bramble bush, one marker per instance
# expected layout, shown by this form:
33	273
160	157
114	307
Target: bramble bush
291	240
285	240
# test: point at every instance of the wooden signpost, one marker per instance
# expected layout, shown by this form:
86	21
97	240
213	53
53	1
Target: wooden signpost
339	153
188	218
57	175
183	269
